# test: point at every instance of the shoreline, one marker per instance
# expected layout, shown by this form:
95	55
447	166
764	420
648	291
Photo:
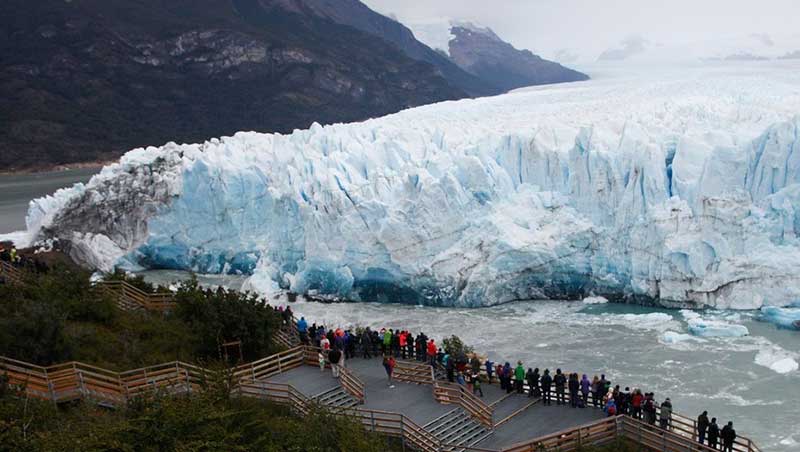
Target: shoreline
51	169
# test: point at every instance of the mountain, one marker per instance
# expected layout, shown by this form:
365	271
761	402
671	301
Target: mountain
481	52
358	15
82	80
681	189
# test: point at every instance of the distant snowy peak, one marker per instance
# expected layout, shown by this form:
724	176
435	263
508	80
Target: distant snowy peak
752	47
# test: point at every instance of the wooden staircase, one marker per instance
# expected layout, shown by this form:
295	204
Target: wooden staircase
456	430
10	274
336	398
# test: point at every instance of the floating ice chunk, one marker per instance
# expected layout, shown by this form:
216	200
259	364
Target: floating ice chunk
716	328
783	317
776	359
672	337
595	300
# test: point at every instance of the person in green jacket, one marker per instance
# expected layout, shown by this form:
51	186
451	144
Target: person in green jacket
387	341
519	376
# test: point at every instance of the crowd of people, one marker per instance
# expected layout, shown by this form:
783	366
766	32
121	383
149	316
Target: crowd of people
337	345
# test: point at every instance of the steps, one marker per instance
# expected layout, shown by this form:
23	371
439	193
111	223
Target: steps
456	428
336	398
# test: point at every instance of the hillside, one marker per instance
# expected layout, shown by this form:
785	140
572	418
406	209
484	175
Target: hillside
90	79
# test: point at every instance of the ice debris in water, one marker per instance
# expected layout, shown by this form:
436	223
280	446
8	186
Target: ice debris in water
783	317
776	359
595	300
672	337
679	188
716	328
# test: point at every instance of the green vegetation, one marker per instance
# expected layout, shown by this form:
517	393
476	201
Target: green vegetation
58	316
208	421
456	348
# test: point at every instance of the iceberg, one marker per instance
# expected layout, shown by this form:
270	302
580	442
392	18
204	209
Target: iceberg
678	189
783	317
716	328
595	300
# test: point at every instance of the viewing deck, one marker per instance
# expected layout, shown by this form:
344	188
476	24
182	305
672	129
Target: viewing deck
418	403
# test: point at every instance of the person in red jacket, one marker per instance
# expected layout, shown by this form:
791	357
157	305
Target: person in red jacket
403	343
388	364
432	352
636	404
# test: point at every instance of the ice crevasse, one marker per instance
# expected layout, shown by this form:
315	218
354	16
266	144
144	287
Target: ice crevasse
682	191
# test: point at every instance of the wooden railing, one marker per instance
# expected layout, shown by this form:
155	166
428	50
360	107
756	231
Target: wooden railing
413	372
76	380
352	384
596	433
130	297
10	273
272	365
687	428
450	393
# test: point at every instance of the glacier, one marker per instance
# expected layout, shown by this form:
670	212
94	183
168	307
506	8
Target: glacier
677	188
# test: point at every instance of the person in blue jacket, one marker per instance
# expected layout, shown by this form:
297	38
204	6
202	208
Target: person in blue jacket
302	328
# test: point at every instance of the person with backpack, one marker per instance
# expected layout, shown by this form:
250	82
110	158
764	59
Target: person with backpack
508	372
728	435
702	427
335	358
665	416
611	407
547	382
713	433
586	386
531	379
388	365
561	382
489	370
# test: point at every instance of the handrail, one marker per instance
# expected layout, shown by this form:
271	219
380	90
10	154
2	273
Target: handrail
130	297
9	271
412	372
352	384
450	393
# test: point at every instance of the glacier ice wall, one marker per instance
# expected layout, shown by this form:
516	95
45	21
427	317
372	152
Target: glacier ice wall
682	190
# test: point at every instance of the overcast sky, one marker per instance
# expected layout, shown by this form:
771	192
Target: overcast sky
594	25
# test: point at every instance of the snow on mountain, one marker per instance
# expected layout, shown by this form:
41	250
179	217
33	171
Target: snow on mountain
677	188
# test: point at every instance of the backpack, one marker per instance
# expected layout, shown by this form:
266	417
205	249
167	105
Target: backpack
612	410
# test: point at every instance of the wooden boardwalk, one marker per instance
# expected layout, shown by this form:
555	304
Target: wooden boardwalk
417	402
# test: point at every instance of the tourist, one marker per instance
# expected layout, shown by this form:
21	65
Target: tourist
409	345
702	427
321	359
508	372
335	358
597	391
388	365
665	416
366	343
302	329
713	433
605	385
396	344
534	388
573	386
451	370
547	382
403	344
387	342
432	352
610	407
649	408
14	256
626	402
489	370
636	403
529	378
475	364
460	379
440	354
586	386
560	381
728	435
476	384
519	377
325	344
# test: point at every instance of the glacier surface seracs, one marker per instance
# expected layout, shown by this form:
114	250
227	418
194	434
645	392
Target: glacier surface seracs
681	188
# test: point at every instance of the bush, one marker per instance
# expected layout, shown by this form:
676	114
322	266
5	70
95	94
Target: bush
456	348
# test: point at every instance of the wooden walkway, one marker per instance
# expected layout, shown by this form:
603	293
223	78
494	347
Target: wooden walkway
417	402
